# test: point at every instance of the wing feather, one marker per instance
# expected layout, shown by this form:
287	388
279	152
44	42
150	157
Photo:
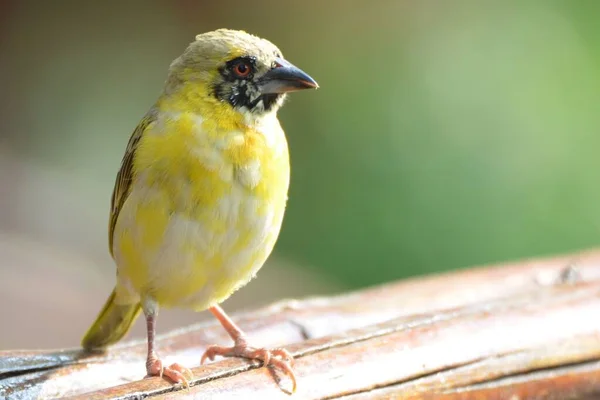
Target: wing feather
125	175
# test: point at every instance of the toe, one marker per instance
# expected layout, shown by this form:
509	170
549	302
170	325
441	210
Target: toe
175	376
209	353
214	350
286	368
186	372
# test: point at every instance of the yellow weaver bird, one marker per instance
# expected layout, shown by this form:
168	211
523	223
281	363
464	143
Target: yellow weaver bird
199	200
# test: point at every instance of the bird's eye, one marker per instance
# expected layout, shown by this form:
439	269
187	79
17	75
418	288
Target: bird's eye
242	69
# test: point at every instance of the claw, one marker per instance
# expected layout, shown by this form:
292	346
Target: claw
287	369
213	350
278	358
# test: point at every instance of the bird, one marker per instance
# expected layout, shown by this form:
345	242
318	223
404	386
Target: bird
200	195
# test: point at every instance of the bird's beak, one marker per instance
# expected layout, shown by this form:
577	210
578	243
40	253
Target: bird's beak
284	77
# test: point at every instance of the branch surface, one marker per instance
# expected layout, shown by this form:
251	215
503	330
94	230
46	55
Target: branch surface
525	330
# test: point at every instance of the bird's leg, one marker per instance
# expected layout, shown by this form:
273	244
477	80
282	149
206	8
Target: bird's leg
154	366
279	358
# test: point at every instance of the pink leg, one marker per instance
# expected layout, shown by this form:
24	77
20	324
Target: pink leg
154	366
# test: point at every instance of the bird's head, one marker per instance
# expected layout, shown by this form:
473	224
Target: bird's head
238	70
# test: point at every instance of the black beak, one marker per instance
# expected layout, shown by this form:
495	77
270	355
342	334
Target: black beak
285	77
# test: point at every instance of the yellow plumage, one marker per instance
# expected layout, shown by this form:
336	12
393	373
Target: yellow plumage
200	197
205	211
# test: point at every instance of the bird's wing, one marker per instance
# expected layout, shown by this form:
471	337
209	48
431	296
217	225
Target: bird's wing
125	175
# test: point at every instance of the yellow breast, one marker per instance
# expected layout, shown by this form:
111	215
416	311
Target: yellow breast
205	208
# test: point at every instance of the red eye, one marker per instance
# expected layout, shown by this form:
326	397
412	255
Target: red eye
242	69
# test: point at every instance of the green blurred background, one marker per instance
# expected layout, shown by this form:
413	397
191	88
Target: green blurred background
445	134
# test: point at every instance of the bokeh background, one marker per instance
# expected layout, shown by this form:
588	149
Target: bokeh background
445	134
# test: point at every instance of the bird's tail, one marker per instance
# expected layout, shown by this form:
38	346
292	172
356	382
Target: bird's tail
111	325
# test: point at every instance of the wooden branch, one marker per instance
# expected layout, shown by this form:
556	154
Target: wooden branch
527	329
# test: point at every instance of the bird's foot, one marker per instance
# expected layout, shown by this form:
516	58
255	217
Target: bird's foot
278	358
175	372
